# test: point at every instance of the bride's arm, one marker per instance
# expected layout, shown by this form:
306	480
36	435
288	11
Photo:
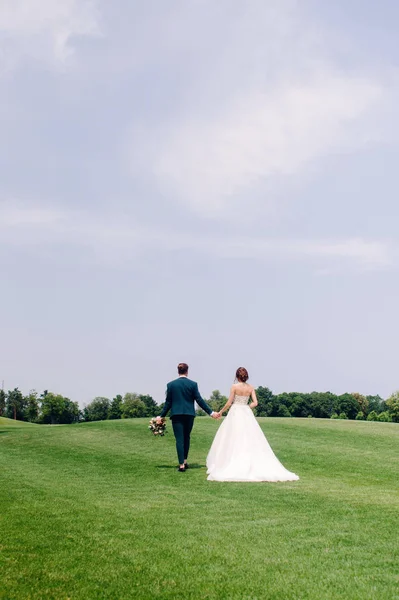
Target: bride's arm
254	402
229	402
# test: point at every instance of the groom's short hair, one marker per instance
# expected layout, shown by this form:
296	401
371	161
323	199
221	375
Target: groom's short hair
182	369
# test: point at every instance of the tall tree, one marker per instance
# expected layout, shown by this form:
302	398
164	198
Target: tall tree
283	411
32	406
52	408
15	405
286	400
376	403
133	407
348	405
217	400
362	401
97	410
266	400
2	402
300	405
115	409
151	405
70	412
322	404
393	406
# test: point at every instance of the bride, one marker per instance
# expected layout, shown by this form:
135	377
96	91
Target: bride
240	451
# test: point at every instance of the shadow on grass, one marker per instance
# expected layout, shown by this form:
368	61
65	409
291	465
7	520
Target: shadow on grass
190	466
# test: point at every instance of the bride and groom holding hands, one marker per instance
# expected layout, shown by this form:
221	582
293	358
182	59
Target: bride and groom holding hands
239	451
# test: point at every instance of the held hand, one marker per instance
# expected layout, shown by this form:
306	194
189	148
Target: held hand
215	415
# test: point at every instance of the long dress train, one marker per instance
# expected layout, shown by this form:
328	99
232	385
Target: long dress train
241	452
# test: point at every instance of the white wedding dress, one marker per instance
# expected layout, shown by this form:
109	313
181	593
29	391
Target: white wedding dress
240	451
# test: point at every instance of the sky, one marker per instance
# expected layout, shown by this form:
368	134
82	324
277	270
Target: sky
199	181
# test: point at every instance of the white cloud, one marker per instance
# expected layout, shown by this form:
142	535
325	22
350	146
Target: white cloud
267	96
43	29
253	107
118	241
258	134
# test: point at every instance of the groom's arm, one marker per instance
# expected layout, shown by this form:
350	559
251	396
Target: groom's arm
201	402
168	403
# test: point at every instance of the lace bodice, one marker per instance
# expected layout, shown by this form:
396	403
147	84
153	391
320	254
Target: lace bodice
241	399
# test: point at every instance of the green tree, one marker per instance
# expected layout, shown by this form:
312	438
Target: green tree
115	409
97	409
70	412
52	408
266	402
216	400
362	402
385	417
15	405
322	404
283	411
372	416
393	406
300	406
347	404
32	407
376	403
2	402
151	405
133	407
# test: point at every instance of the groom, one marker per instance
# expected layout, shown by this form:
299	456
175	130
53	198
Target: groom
180	397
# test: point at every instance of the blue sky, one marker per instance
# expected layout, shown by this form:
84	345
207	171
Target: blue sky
209	182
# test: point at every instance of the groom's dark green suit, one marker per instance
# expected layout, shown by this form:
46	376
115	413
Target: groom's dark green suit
180	397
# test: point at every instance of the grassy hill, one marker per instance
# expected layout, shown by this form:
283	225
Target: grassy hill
6	423
97	510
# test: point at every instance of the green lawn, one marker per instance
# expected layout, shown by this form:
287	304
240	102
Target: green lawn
97	510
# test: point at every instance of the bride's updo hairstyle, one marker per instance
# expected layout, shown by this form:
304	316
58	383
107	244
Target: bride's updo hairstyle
242	375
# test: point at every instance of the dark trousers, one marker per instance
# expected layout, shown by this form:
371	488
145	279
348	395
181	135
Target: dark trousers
182	426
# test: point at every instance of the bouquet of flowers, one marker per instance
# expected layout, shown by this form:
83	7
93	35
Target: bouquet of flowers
157	427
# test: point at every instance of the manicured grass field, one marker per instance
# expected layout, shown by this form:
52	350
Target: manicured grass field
97	510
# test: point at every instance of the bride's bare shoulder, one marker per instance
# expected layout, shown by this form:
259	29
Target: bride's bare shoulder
235	389
242	388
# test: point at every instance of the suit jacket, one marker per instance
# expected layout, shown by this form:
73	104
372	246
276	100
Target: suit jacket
180	397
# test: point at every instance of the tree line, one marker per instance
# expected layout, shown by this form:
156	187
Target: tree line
321	405
55	409
50	408
46	408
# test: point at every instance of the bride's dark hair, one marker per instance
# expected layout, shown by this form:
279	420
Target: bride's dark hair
242	374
